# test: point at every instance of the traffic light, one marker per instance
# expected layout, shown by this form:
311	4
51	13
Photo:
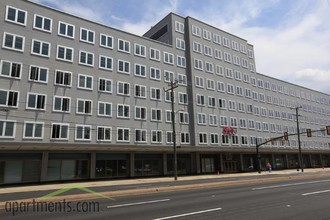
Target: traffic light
328	130
286	136
309	132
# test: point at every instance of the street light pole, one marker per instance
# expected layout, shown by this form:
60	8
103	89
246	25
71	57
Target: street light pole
299	144
175	164
258	156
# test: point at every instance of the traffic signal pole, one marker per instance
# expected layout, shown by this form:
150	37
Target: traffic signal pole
299	144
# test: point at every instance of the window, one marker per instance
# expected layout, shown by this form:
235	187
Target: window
202	138
197	47
123	134
64	53
223	121
42	23
66	30
183	98
168	116
141	135
8	98
230	89
15	15
13	42
249	108
104	109
123	111
140	91
106	41
241	107
234	140
86	58
154	54
225	139
244	140
251	124
123	88
180	44
198	64
179	27
84	106
238	75
214	138
234	45
239	91
85	82
229	73
63	78
181	61
250	53
248	93
38	74
211	102
217	39
105	62
213	120
156	114
208	51
227	57
185	138
209	67
243	49
140	113
139	50
155	73
201	118
105	85
36	101
232	105
206	35
156	136
210	84
182	79
218	54
33	130
183	117
61	104
226	42
168	58
222	103
123	66
242	123
10	69
140	70
155	94
7	128
221	86
40	48
124	46
196	31
60	131
245	63
87	36
168	76
83	132
199	81
169	137
233	122
200	100
168	96
104	133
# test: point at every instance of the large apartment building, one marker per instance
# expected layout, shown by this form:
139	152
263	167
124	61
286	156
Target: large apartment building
82	100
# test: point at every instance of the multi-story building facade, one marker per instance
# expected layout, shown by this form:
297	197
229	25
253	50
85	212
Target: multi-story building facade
81	100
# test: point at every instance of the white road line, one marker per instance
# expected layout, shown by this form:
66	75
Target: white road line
290	184
187	214
317	192
138	203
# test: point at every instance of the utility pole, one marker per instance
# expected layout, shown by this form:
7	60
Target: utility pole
299	144
258	156
173	85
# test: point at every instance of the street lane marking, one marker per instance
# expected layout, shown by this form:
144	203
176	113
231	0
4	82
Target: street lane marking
187	214
317	192
138	203
290	184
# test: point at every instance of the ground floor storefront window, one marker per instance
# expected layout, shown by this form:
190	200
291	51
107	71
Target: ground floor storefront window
112	165
279	161
148	165
183	164
68	166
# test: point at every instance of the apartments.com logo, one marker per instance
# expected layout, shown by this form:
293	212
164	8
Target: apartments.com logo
44	203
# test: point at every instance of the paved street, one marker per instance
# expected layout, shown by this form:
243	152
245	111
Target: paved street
274	196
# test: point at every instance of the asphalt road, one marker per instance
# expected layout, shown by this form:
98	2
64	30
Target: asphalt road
298	199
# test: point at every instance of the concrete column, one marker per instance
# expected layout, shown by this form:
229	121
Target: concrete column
222	170
92	165
164	164
241	162
198	163
287	161
131	164
273	162
321	160
44	167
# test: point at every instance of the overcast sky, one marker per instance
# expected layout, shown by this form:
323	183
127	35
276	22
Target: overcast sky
291	38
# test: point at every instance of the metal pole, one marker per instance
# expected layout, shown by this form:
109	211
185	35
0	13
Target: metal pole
175	165
299	144
258	156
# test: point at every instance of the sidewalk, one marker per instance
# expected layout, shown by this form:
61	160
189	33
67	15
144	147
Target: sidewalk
127	182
